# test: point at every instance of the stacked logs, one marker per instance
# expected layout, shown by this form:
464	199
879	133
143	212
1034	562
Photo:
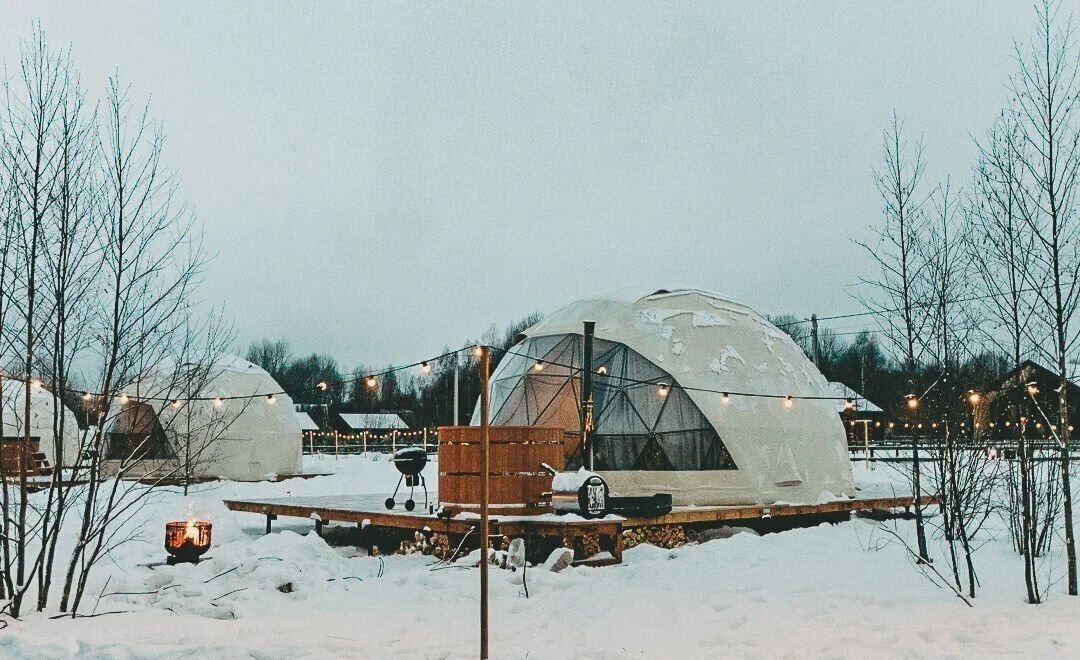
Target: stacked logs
667	536
585	545
436	545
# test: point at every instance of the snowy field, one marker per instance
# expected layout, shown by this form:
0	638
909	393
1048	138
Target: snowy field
838	591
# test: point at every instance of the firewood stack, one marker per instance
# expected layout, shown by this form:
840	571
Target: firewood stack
584	546
437	545
661	536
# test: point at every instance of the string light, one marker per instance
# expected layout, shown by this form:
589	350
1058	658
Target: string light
269	398
539	366
725	397
788	401
124	399
425	367
86	396
602	370
974	397
322	385
849	404
477	350
371	382
36	384
912	401
1032	389
218	402
663	390
175	403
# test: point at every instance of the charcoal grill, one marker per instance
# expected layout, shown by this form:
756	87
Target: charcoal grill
410	462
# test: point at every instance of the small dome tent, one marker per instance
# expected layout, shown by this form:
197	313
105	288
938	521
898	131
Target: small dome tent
661	423
44	420
216	436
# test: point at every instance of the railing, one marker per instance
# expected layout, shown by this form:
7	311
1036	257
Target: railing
384	441
898	449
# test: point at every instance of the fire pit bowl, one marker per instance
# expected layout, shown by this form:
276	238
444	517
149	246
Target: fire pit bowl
187	540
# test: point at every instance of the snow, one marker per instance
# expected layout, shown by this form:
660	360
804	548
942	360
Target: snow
841	591
703	319
719	365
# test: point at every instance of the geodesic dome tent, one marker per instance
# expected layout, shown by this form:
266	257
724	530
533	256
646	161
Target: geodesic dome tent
45	411
216	436
661	424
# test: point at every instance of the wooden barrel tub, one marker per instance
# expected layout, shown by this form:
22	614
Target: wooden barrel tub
519	484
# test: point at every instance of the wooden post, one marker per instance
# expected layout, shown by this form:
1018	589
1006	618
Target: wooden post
393	441
485	474
425	439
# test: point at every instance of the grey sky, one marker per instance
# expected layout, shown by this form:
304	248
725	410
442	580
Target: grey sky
381	181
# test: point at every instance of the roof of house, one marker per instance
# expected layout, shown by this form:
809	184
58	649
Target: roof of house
862	404
373	421
305	421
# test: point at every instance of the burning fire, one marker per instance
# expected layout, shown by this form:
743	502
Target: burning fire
191	531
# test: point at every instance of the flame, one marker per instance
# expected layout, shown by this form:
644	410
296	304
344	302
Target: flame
191	531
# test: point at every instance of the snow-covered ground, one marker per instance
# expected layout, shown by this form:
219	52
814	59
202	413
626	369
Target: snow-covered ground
838	591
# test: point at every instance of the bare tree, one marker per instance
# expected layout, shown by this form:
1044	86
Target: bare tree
1047	90
151	259
1000	248
31	155
901	302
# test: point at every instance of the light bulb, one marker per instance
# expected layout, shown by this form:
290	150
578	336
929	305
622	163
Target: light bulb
789	401
539	366
425	367
218	402
663	390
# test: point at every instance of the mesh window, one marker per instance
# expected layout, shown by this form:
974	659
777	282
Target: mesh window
635	427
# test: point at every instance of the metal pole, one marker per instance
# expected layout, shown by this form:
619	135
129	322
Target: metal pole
814	341
485	474
425	439
586	390
456	406
365	442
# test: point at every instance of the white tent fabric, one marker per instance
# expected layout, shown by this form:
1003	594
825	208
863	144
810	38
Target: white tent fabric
781	453
43	421
239	439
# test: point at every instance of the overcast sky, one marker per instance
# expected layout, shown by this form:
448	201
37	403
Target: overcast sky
380	181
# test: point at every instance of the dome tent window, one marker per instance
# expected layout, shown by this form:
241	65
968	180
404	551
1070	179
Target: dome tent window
636	429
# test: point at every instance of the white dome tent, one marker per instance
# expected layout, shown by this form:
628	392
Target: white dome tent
232	430
662	424
43	421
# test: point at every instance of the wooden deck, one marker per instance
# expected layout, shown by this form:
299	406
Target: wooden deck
370	510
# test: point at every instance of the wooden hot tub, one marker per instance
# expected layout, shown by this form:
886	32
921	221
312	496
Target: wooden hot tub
519	484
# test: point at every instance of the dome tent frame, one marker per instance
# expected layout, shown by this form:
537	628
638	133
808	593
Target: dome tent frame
698	344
